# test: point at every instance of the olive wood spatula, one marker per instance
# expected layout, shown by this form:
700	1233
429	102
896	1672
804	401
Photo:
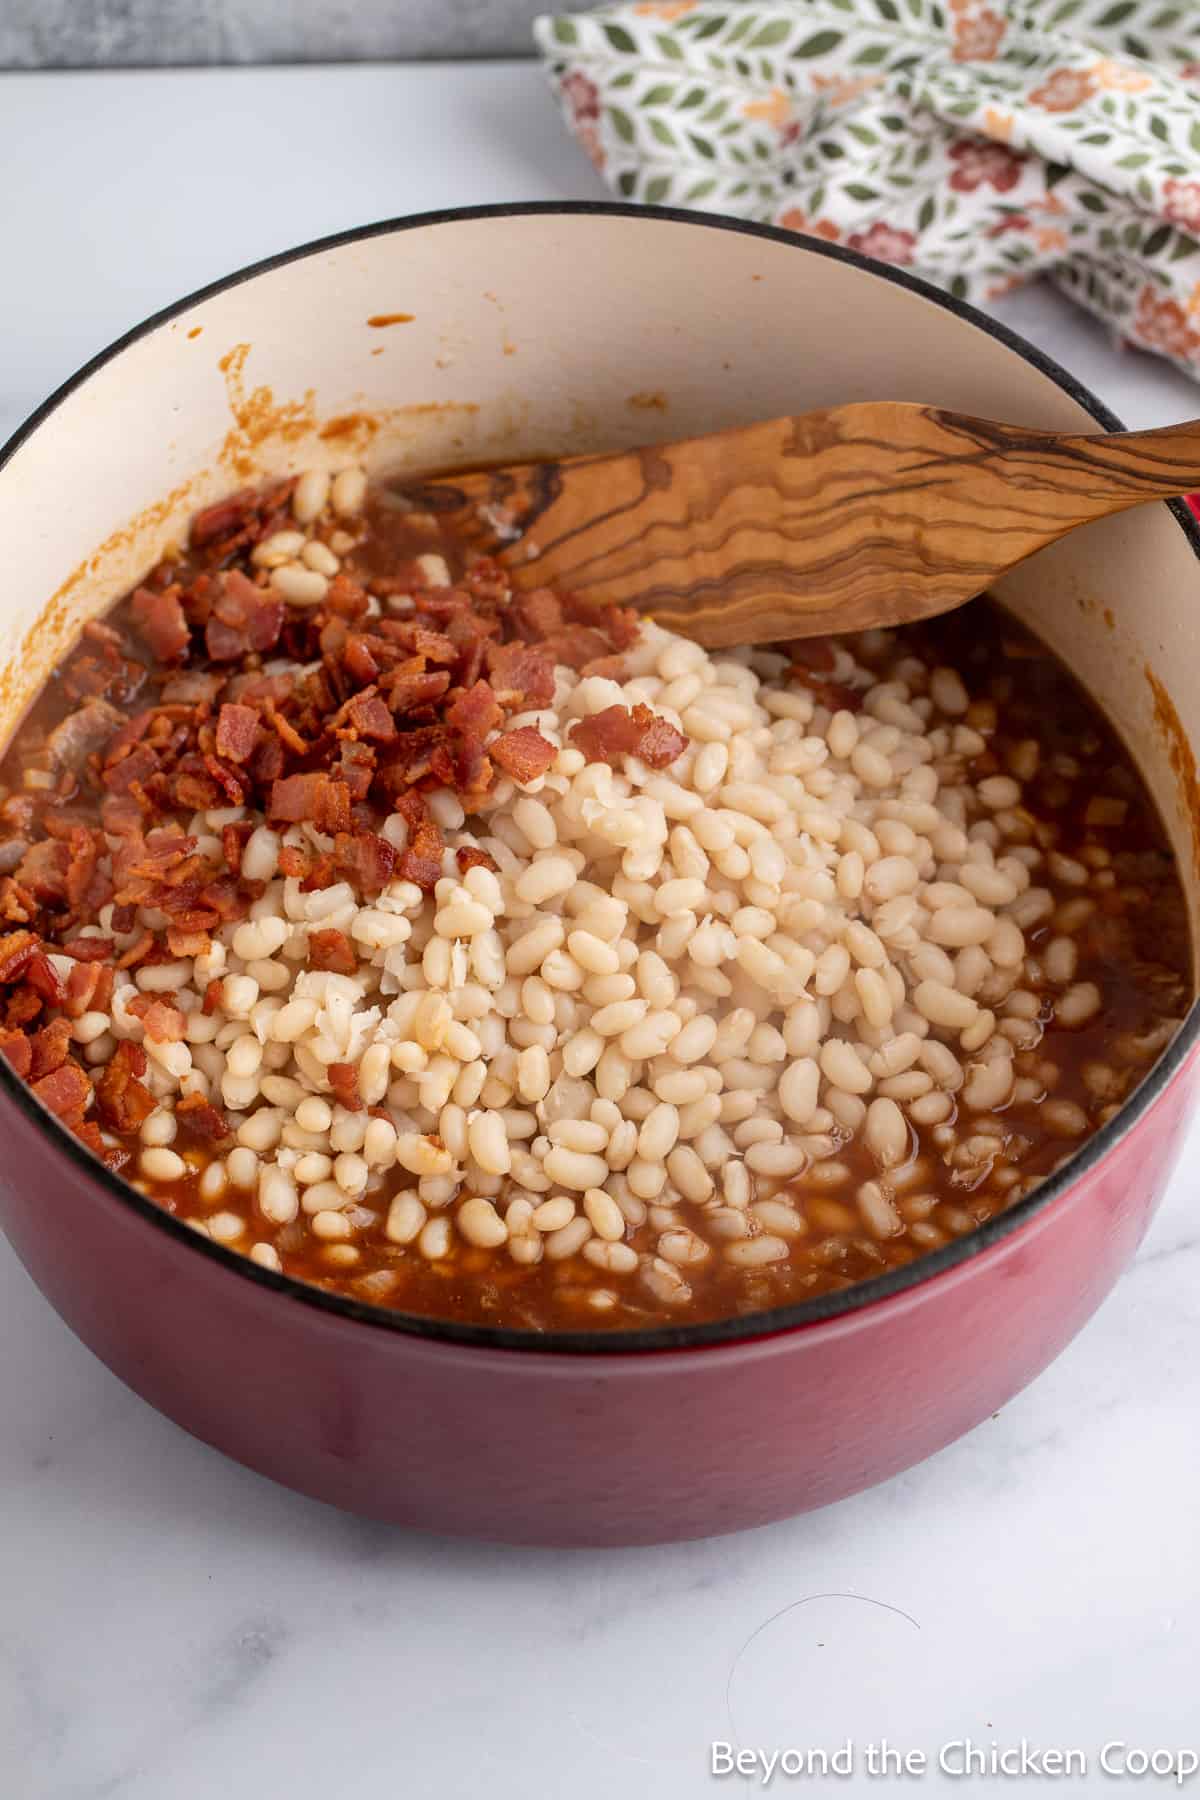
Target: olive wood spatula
875	513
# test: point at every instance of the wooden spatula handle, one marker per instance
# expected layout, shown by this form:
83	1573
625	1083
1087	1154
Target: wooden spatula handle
740	535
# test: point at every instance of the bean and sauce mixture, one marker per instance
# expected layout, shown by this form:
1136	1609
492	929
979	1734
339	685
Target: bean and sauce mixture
482	955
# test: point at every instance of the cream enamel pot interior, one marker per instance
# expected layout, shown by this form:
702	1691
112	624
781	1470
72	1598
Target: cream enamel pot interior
538	329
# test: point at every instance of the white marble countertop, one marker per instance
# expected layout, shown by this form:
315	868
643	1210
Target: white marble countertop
173	1628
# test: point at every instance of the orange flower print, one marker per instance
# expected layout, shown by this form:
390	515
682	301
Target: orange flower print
1050	239
978	39
795	220
839	90
775	110
1163	325
1193	305
1064	90
1118	78
589	139
998	125
1182	203
664	9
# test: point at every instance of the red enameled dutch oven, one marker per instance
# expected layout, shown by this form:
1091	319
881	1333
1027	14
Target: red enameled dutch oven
566	328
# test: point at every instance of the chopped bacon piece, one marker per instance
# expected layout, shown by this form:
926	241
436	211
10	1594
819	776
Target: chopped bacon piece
524	753
17	949
82	985
539	614
212	995
45	980
421	859
137	952
243	617
159	618
468	856
576	645
406	692
202	1119
356	766
237	732
84	858
17	1051
294	862
114	1156
89	949
475	711
332	950
43	871
612	668
134	770
122	1098
316	797
49	1047
370	717
461	764
617	731
133	730
220	520
359	662
521	672
164	1024
367	858
66	1092
343	1079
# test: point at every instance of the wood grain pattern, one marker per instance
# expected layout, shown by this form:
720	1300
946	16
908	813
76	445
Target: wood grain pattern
869	514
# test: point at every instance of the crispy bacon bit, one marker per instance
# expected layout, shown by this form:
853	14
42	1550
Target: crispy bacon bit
89	949
82	984
407	691
17	949
617	731
45	980
50	1047
524	753
65	1092
366	858
159	618
122	1098
42	871
421	859
521	672
469	857
294	862
243	617
332	951
223	519
237	732
202	1119
343	1079
359	662
315	797
164	1024
475	711
17	1051
370	717
114	1156
539	614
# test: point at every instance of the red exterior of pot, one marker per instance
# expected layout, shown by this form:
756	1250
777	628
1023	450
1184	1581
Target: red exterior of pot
571	1449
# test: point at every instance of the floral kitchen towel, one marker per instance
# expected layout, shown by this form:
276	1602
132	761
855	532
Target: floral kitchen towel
978	141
